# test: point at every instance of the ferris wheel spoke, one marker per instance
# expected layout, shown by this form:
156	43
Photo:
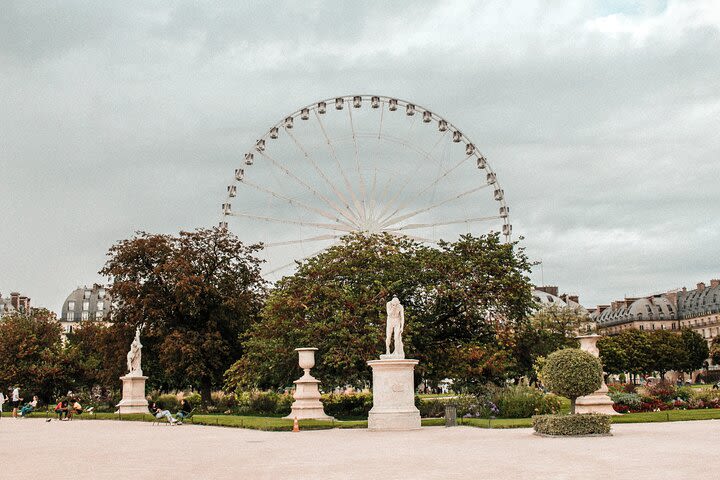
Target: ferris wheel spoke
322	174
297	203
363	193
296	261
326	226
338	164
303	240
435	181
416	226
425	157
303	183
411	237
394	220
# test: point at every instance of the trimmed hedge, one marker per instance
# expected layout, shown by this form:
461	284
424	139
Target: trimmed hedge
572	425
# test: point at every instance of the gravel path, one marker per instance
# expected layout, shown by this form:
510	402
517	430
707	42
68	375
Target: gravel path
35	449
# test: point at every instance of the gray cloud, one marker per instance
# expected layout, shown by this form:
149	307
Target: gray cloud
600	120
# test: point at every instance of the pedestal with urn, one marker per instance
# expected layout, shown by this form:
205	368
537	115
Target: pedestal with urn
307	403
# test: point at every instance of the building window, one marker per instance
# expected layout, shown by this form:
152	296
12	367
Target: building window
71	305
85	315
642	327
70	316
98	315
86	305
87	294
100	305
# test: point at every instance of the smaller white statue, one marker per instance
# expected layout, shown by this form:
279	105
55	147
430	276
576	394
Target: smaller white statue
394	327
134	356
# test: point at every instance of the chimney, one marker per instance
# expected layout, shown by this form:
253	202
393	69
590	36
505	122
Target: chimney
715	282
701	286
15	300
574	298
552	290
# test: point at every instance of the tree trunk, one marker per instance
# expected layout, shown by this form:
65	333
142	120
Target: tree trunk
205	391
572	406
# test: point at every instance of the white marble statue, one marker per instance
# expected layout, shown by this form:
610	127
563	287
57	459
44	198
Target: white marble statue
134	356
394	328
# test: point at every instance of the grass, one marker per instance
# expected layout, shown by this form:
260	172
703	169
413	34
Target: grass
281	424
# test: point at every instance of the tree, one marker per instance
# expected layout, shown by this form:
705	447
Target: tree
572	373
100	350
549	329
613	355
462	301
668	352
715	351
32	356
696	351
193	295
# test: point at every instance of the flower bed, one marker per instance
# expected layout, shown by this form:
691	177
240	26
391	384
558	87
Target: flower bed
661	397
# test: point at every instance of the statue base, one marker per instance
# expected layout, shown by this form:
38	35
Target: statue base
307	403
393	389
596	402
133	395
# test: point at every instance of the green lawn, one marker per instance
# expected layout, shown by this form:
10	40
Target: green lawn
280	424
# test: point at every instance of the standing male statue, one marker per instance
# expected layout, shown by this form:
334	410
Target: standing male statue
134	356
395	325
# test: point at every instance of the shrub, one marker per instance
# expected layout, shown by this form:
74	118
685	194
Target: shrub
663	391
524	402
572	373
347	405
572	425
431	408
630	400
684	393
167	402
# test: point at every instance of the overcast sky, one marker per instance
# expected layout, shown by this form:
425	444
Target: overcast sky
600	119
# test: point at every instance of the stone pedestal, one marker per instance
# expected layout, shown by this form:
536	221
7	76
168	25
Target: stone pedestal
393	395
598	401
133	395
307	403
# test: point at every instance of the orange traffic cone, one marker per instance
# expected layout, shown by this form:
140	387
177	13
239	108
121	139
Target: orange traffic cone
296	426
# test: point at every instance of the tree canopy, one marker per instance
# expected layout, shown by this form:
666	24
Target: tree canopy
643	352
32	355
462	302
193	295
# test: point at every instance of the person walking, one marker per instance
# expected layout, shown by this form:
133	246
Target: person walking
2	401
15	401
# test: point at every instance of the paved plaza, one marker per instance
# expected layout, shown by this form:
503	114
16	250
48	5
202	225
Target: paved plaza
134	450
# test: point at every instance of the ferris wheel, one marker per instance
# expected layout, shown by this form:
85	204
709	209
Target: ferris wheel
360	163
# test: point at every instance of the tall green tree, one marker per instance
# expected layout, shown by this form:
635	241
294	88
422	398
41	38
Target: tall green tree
550	328
462	302
668	352
696	351
193	295
715	351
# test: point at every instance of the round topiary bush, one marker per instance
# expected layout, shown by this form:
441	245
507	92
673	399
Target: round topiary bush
572	373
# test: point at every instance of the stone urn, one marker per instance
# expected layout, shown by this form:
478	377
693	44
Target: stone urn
306	359
307	402
598	401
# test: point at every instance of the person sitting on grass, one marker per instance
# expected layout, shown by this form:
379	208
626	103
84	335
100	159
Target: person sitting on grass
62	409
29	407
185	409
160	413
75	409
